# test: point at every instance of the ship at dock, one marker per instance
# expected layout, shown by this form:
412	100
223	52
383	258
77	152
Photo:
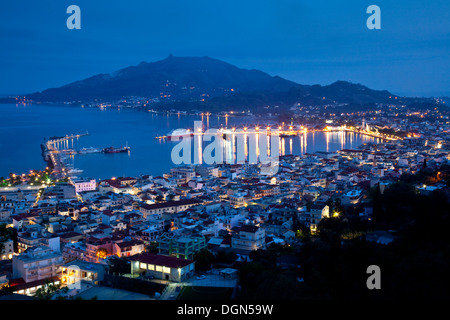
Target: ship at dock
74	171
176	134
89	150
116	150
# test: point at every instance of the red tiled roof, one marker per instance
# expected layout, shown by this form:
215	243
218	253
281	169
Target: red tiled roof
104	226
20	284
126	179
70	234
108	213
249	228
129	243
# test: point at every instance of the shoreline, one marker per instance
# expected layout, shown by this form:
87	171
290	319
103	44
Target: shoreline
174	114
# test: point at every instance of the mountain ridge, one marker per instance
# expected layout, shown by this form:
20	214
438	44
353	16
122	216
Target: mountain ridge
208	81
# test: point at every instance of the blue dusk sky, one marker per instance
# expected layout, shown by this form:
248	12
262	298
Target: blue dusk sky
309	42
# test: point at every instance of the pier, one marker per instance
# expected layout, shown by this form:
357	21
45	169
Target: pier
54	148
286	132
62	143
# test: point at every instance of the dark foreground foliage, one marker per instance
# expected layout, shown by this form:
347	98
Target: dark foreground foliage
414	266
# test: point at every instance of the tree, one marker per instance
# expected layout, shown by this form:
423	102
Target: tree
6	290
302	232
225	256
119	265
152	247
5	234
203	259
377	205
48	290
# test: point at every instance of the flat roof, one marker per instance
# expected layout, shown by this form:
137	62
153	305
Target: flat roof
161	260
85	266
169	204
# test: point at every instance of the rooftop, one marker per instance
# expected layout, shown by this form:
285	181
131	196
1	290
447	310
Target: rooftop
161	260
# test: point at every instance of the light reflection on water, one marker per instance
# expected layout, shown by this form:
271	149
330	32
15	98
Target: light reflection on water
23	129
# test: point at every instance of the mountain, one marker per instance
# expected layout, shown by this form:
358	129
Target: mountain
207	83
183	78
351	93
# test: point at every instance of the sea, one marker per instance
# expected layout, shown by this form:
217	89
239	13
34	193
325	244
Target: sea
23	128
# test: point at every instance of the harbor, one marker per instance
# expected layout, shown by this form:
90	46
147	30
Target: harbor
59	153
149	154
269	131
56	150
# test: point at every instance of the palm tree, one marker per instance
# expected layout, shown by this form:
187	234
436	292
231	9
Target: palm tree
47	291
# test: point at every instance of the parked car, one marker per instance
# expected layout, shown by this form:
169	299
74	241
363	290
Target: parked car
201	277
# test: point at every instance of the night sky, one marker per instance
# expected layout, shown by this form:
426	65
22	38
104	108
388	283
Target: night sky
310	42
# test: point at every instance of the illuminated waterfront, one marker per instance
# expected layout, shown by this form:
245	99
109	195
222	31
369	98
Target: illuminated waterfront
24	128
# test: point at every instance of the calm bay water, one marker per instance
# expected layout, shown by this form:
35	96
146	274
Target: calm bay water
24	128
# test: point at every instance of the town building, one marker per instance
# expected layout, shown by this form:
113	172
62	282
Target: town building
78	270
249	238
162	267
311	216
85	185
181	246
37	264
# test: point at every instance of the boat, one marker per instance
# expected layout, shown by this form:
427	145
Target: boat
89	150
115	150
287	135
176	134
75	170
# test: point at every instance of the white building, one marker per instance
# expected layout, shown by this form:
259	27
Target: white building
162	267
186	173
79	270
8	250
37	264
311	217
238	199
207	171
249	237
85	185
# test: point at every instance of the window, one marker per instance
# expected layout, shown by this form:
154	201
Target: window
166	270
151	267
143	265
159	268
